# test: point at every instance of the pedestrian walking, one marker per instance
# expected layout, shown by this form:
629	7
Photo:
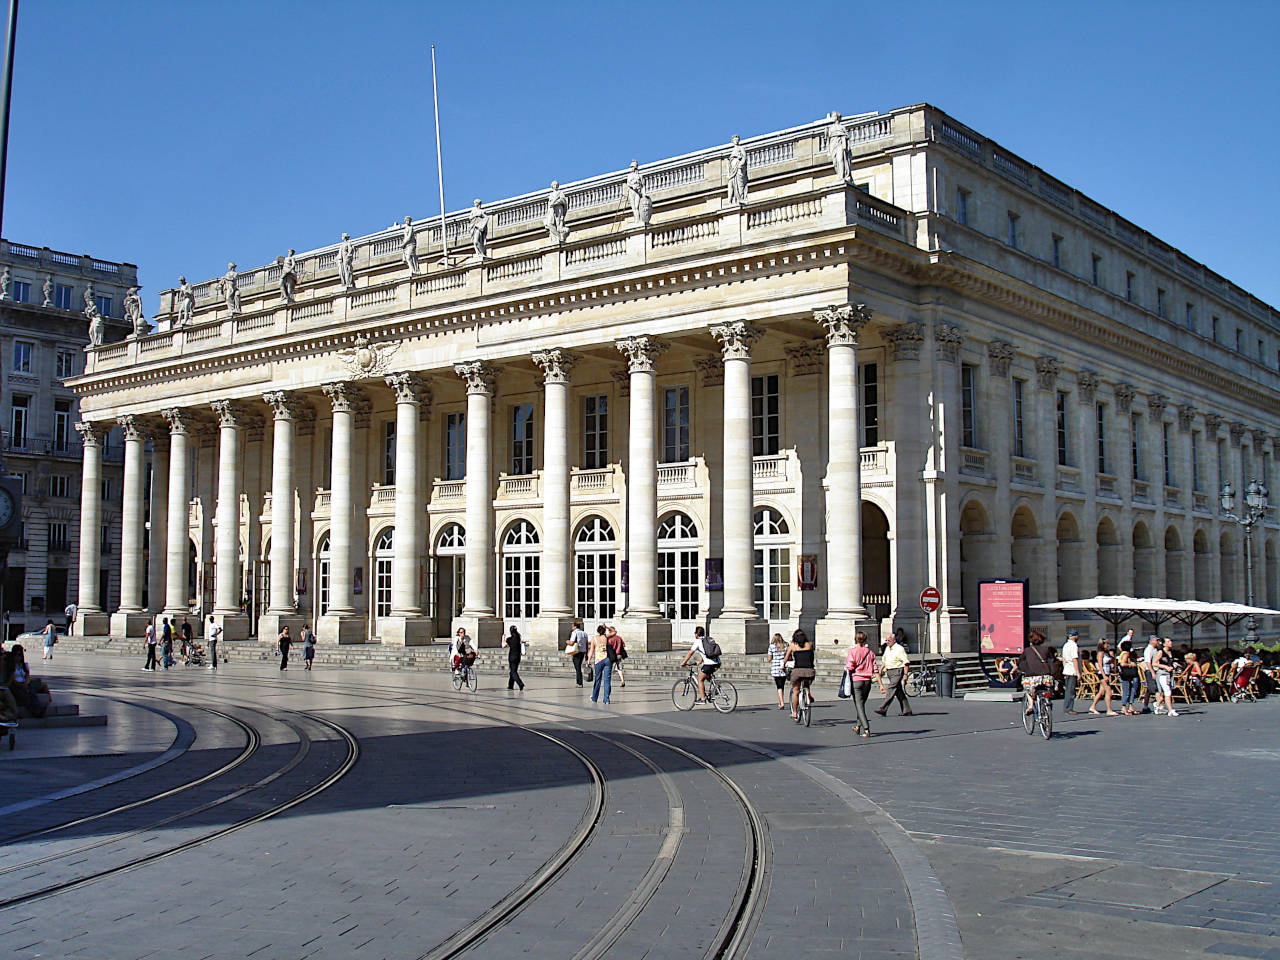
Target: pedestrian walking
861	664
1128	671
1165	665
777	667
513	642
188	639
601	666
893	669
1106	664
1070	670
215	632
1149	674
576	648
151	648
70	611
618	653
308	644
283	642
166	644
50	638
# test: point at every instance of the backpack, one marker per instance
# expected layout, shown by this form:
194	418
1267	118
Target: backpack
710	649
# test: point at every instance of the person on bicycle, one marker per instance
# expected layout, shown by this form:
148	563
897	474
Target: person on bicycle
710	664
462	653
1035	667
800	653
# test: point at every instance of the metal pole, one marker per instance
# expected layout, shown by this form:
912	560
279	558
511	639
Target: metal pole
1251	632
6	96
435	99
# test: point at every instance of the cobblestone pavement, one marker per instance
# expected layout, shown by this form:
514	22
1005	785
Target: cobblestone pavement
1135	837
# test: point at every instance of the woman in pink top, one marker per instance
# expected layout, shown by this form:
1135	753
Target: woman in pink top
861	664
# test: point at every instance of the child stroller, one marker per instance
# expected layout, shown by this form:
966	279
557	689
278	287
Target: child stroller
196	656
1242	685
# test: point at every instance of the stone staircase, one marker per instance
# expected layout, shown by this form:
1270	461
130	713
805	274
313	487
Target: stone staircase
493	662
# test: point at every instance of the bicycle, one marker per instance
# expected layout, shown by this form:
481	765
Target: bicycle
721	694
804	706
1041	715
920	680
465	676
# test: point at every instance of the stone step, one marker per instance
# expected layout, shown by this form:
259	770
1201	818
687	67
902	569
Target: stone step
72	720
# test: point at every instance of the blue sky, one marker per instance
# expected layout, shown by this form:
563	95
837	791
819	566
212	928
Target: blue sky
180	135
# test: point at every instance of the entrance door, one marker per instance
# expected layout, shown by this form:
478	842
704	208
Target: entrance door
521	575
595	573
323	596
383	555
450	569
679	576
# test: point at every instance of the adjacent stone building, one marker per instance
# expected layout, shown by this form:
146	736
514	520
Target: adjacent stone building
44	328
784	382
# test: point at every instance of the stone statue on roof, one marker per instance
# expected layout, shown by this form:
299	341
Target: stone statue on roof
478	224
838	149
409	246
185	300
736	173
557	212
288	276
640	201
134	314
346	262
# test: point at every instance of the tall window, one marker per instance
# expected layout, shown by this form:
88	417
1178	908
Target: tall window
1164	454
455	446
675	424
1013	229
389	453
1128	285
1160	301
21	291
679	569
1245	471
962	206
1095	265
58	539
1191	316
1019	436
1101	415
59	485
22	356
383	559
66	364
968	413
522	439
1063	452
1057	251
1135	445
1195	460
595	562
764	415
1213	324
18	421
61	425
521	571
104	305
870	405
772	560
1222	461
595	432
106	488
62	296
1239	336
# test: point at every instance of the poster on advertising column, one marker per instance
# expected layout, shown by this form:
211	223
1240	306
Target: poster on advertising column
1002	616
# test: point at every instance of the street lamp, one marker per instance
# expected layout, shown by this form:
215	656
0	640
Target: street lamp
1255	509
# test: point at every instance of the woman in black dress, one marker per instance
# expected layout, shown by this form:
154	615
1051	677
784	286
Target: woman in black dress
513	644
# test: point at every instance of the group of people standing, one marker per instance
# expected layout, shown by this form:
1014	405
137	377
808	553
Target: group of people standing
1125	670
604	654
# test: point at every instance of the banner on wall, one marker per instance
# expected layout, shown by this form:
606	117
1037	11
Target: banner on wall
715	574
807	571
1002	616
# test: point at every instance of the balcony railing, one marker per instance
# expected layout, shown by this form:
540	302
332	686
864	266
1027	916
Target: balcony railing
1068	478
1142	491
770	470
1106	485
522	487
450	490
676	474
59	546
1024	470
973	462
1172	497
873	459
593	482
1200	502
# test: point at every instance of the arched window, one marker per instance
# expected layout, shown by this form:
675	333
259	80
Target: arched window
769	523
595	570
453	537
677	526
772	562
520	534
450	565
322	576
383	555
521	572
679	568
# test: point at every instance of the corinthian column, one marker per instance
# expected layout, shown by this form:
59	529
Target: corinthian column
555	621
845	612
281	611
477	616
91	620
642	617
340	623
177	587
130	620
406	623
227	593
157	542
738	628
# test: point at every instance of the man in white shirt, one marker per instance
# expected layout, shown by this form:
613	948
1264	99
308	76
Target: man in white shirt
710	664
894	664
215	633
1149	674
1070	670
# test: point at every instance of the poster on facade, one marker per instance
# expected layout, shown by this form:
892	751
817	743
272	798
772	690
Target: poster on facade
300	580
807	571
624	582
357	581
1002	616
715	574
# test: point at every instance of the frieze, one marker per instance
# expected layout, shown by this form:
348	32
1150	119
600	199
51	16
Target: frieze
806	358
367	359
710	371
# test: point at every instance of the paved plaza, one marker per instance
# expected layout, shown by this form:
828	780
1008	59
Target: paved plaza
361	814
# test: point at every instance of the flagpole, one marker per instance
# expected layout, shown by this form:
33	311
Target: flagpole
435	98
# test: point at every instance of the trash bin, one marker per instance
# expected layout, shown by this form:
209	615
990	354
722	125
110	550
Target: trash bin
947	678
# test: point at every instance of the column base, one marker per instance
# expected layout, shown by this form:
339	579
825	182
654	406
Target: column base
483	631
650	634
406	631
270	624
235	626
130	624
550	633
955	634
740	634
93	624
341	629
834	634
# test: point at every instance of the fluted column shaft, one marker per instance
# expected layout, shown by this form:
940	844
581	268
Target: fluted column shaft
844	482
226	599
131	520
282	532
88	600
736	499
556	581
341	599
642	479
158	543
405	596
478	589
177	589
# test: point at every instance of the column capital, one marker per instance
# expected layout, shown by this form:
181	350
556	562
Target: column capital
229	413
736	338
1235	429
91	434
1259	440
479	375
949	338
1047	369
1156	404
556	364
843	323
806	358
1212	424
1124	396
1087	381
710	369
641	352
345	397
905	340
409	388
1000	353
132	426
286	406
179	419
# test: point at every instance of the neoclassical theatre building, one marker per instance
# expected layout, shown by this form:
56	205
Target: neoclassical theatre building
788	381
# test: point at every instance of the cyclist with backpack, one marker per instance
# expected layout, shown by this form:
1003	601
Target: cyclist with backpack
710	653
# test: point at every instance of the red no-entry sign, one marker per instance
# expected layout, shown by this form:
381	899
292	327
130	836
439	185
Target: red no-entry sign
930	599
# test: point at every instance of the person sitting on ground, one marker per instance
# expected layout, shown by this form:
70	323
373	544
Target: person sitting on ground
17	677
1006	670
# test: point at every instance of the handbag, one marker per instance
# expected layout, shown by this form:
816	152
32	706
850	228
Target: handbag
846	686
571	648
789	665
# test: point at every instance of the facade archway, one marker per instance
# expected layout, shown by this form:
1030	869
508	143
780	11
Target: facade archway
977	541
1026	544
1070	546
1144	561
521	573
1174	564
1108	558
771	563
877	594
595	561
679	572
1203	563
450	566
